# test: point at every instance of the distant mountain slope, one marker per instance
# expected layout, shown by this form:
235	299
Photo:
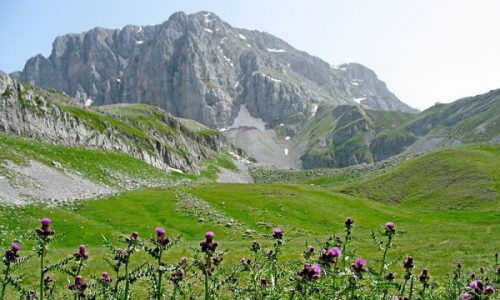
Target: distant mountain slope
145	132
449	178
345	135
199	67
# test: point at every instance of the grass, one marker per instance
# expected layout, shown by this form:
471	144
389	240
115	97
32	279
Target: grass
212	169
437	239
450	178
107	167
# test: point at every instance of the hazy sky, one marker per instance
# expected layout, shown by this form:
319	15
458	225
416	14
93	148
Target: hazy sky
426	51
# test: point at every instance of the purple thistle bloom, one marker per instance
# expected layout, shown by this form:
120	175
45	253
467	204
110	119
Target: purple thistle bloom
359	265
82	253
160	232
46	222
335	252
278	233
79	286
45	231
466	296
208	244
15	247
489	290
209	236
390	228
476	286
11	254
106	277
264	282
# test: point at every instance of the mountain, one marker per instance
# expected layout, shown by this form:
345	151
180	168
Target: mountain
145	132
199	67
346	135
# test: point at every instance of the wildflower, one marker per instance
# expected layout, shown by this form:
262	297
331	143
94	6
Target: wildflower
349	222
331	255
389	277
408	263
270	254
48	279
476	286
133	237
277	233
11	254
107	279
79	286
177	275
82	253
208	244
255	246
160	236
359	265
310	271
310	249
264	282
45	230
184	260
424	276
245	261
466	296
390	228
489	290
400	298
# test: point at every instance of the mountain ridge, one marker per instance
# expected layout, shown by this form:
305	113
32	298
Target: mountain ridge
199	67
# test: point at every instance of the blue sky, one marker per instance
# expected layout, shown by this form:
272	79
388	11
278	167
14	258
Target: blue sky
426	50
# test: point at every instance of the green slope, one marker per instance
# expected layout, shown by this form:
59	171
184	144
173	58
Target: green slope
449	178
307	213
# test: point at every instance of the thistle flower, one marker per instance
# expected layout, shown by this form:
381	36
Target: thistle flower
424	276
270	254
466	296
245	261
208	244
255	246
390	228
408	263
79	286
349	222
389	277
82	253
277	233
331	256
106	278
133	237
161	238
359	265
310	249
177	275
11	254
264	282
309	271
184	260
45	230
400	298
477	286
489	290
48	279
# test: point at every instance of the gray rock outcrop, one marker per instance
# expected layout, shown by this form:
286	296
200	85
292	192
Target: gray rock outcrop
199	67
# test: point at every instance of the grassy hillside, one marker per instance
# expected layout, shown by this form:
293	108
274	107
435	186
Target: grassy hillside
449	178
307	213
111	168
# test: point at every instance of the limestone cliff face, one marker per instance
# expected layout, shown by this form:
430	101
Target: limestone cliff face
199	67
145	132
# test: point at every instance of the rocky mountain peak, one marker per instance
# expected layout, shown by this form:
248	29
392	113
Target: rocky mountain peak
199	67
